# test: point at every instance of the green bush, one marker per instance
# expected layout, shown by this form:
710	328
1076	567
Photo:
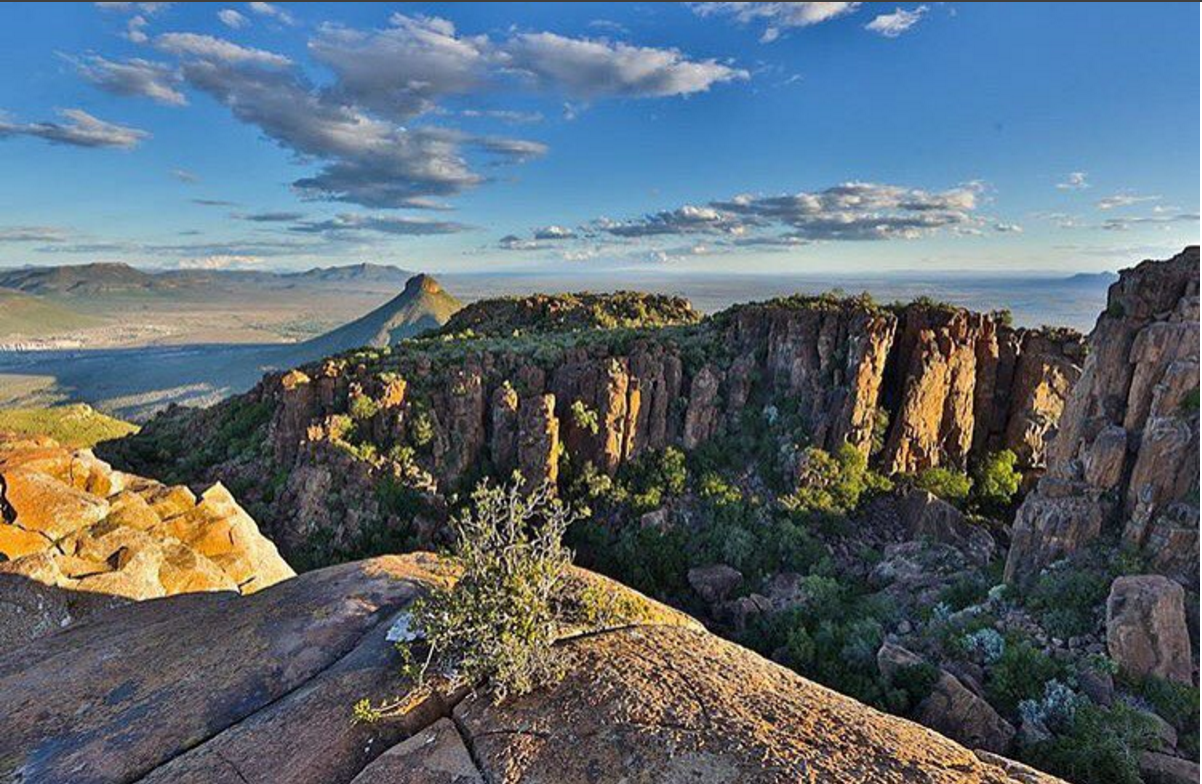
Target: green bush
497	623
584	417
832	484
949	485
362	408
1100	746
1020	673
996	480
1176	703
1065	600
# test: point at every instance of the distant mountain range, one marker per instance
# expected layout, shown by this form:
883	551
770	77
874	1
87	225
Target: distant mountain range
101	279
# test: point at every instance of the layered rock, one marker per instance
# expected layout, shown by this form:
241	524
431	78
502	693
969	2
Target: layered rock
1127	452
944	386
220	688
71	522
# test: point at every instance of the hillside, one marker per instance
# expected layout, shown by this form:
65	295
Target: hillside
77	426
825	480
511	316
29	316
422	305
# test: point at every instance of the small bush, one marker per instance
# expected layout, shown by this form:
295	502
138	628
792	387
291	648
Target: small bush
1066	600
1021	673
1100	746
585	418
497	623
996	480
952	486
362	408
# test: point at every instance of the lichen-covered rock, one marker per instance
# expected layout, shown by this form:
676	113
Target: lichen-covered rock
143	541
927	517
1146	631
714	583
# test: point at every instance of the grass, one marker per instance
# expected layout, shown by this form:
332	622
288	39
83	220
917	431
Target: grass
29	316
77	426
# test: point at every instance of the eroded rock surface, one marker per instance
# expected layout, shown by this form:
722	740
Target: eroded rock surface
215	687
1126	456
71	522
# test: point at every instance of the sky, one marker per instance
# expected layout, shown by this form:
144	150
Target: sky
773	138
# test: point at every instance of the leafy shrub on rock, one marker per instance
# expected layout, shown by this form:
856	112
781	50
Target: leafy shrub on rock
996	480
951	486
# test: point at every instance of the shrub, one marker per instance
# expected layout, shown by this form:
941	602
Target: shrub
1065	600
1100	745
1020	673
585	418
832	483
497	623
1176	703
362	408
949	485
996	480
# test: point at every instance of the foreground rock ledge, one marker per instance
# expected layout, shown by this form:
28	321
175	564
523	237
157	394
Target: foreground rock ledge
220	688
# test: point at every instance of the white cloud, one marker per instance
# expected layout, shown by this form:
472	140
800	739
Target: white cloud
206	47
586	69
776	16
1076	181
1120	200
1155	221
272	11
1008	228
185	176
554	233
232	19
894	24
125	8
155	81
220	262
80	130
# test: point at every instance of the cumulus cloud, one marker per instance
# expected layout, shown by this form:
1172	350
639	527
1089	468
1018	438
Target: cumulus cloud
80	129
554	233
587	69
777	17
232	19
1120	200
155	81
272	11
1075	181
894	24
350	223
221	261
688	219
210	48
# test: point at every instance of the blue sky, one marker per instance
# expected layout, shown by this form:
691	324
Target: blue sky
720	137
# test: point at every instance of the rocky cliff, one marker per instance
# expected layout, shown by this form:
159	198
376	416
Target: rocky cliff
1126	458
915	386
655	699
77	537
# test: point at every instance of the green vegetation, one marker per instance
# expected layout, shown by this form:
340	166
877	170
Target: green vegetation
29	316
1099	745
949	484
1020	673
1176	703
996	481
536	313
77	426
584	417
497	623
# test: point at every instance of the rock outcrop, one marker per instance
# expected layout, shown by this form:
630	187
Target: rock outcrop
214	687
71	522
928	385
1126	456
1146	630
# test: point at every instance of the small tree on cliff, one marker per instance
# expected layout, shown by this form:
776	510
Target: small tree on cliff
497	624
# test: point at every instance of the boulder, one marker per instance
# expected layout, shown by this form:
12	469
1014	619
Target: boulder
926	516
41	503
891	658
1157	768
1146	631
715	582
958	713
435	755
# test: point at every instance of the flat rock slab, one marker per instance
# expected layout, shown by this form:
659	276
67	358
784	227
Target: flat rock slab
436	755
660	705
113	698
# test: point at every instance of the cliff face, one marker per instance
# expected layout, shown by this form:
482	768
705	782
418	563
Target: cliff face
77	536
926	385
1127	453
655	699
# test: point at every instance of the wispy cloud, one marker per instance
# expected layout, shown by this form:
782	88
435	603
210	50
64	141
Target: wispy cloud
185	176
33	234
351	223
777	17
1075	181
272	11
232	19
155	81
894	24
80	129
1120	200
